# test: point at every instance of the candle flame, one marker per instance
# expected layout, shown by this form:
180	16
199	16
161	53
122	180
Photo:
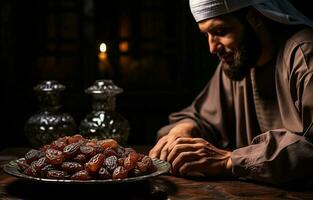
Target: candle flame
103	47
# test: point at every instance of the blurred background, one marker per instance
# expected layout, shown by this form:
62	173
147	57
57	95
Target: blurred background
153	50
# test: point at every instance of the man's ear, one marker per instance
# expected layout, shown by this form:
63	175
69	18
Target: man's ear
255	18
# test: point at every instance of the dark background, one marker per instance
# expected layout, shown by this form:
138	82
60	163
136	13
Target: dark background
165	65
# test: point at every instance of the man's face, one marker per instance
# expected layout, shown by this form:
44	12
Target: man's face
234	42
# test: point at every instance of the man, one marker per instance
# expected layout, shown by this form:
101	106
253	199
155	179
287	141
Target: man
253	118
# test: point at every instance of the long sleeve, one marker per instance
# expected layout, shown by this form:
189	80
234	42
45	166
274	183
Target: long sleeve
285	155
277	157
211	111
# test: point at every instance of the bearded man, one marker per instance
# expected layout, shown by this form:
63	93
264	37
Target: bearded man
253	119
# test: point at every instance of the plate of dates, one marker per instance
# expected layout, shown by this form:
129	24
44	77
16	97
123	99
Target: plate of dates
75	159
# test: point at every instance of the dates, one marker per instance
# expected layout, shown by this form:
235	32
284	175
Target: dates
119	173
81	175
71	167
111	163
22	164
32	155
104	173
56	174
54	157
71	150
78	158
88	151
95	163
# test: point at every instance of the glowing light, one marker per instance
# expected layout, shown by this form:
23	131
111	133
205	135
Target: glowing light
104	66
103	47
123	46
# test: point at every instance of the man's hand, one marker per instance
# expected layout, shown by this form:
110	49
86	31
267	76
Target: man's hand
197	156
160	150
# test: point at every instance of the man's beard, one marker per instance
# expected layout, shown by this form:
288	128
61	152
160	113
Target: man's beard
245	56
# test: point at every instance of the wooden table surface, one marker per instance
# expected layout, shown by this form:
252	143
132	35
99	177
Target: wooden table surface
165	187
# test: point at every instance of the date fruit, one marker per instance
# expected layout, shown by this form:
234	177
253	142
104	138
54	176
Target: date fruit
79	158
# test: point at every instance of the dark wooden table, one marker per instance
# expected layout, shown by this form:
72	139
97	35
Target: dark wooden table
163	187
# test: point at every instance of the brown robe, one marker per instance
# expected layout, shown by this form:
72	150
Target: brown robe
262	118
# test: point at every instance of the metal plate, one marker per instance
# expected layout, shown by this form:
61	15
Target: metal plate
162	167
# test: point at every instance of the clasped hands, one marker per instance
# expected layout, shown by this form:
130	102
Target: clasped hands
191	156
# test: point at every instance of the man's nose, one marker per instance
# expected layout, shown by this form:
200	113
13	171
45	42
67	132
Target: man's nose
215	45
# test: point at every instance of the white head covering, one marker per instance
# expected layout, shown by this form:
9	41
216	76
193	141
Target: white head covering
278	10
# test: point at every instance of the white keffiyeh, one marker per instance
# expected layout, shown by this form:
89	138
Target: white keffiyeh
278	10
